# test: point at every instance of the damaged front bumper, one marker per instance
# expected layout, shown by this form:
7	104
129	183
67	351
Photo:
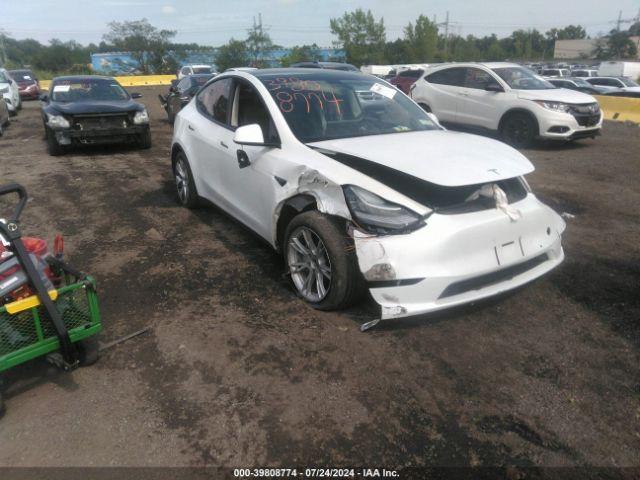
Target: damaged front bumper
461	258
100	136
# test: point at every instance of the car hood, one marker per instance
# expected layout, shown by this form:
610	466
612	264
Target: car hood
437	156
75	108
556	95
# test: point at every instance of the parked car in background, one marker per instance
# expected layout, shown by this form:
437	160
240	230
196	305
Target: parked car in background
405	79
4	116
584	73
354	191
28	85
91	109
575	83
555	72
622	93
181	93
187	70
614	83
509	99
347	67
619	69
10	92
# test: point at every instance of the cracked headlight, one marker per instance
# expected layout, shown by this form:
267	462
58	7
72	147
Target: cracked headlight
377	215
141	117
57	121
555	106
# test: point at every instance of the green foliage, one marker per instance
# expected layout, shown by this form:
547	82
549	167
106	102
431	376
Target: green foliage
362	37
422	40
233	54
304	53
148	45
258	42
617	46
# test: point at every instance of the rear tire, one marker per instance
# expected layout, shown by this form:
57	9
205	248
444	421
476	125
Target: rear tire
519	130
144	141
185	184
53	147
425	107
330	261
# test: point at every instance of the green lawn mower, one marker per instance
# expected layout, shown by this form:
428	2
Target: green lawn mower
47	308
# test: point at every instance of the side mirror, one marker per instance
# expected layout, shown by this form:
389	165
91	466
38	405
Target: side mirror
44	97
251	135
433	118
136	95
493	87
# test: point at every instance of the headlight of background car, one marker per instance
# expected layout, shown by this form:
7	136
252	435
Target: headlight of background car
555	106
377	215
57	121
141	117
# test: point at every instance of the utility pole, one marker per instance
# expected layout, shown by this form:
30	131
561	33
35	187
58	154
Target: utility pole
3	51
446	36
619	20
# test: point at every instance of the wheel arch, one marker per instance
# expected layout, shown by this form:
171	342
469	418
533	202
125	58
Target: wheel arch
289	208
527	112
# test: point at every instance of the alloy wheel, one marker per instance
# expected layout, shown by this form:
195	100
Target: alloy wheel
309	264
182	181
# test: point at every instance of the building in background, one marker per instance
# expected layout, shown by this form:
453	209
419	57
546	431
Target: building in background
583	49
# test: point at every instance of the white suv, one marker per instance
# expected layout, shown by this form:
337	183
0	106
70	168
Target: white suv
509	99
9	91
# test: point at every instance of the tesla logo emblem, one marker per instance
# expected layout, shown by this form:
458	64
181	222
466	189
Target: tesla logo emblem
494	170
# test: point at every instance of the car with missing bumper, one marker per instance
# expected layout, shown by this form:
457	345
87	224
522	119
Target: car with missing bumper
88	110
363	191
509	99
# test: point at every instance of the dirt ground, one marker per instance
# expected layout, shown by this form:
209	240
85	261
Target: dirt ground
236	371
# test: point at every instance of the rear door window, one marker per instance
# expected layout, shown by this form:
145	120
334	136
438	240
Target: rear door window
213	100
454	77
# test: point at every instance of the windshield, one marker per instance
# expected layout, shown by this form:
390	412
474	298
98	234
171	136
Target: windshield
87	90
22	76
520	78
202	70
580	82
321	106
628	82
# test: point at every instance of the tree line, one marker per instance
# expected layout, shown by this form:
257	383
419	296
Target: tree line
362	37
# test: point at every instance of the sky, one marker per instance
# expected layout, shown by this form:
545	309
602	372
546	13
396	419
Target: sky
296	22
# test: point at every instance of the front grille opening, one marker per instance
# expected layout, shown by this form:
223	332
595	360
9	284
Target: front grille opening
558	129
492	278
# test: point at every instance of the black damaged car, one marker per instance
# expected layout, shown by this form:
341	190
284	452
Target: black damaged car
88	110
181	92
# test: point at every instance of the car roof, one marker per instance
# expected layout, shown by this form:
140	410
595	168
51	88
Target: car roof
318	72
196	65
83	77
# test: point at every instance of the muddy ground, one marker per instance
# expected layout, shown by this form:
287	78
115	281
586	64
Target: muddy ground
237	371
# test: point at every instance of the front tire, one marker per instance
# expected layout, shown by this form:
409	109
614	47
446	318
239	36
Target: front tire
144	141
519	130
185	184
322	262
53	147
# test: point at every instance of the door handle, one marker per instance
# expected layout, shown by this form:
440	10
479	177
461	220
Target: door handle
191	128
224	145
